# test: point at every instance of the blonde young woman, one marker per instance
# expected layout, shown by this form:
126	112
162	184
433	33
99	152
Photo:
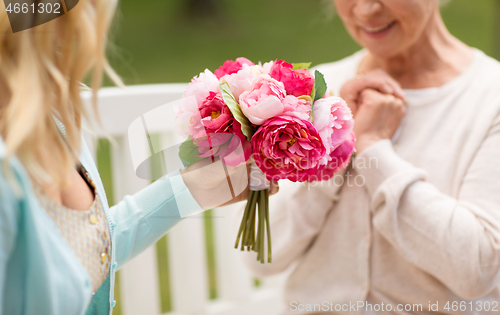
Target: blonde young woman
414	225
60	244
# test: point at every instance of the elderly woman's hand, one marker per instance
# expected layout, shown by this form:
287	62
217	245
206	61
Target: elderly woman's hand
377	80
377	117
377	102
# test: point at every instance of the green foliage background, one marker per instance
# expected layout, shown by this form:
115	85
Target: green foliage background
157	42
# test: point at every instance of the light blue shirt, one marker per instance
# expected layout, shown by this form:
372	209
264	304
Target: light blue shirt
39	274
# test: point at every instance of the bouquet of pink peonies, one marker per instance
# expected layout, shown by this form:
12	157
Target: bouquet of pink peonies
277	114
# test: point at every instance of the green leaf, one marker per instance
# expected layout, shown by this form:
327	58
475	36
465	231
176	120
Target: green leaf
187	152
319	89
313	94
246	126
301	65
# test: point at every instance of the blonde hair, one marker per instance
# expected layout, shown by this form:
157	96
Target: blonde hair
41	70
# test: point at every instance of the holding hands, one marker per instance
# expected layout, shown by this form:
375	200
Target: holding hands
378	104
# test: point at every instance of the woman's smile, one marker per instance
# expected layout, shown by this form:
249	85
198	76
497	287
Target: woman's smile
377	30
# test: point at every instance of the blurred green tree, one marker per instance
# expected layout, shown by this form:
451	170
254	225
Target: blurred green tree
202	8
496	35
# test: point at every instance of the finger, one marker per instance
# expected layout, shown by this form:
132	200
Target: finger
398	91
393	100
390	99
274	188
382	86
350	93
370	82
352	106
391	86
402	105
370	94
396	104
388	85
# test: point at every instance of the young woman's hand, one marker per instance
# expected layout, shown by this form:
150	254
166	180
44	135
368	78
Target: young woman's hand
210	185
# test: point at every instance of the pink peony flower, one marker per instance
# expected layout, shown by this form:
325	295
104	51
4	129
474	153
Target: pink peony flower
229	147
297	82
300	108
215	117
264	100
216	133
230	67
266	67
339	158
241	81
287	148
186	111
201	86
334	122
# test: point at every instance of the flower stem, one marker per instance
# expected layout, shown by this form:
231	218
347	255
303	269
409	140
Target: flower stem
247	234
268	226
250	228
257	242
245	218
247	221
252	224
262	221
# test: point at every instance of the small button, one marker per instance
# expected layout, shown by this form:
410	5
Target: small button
104	256
93	219
114	265
93	293
114	303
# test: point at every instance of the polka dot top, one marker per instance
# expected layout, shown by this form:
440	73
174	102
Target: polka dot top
86	231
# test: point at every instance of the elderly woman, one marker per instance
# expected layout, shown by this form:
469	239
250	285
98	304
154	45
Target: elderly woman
413	226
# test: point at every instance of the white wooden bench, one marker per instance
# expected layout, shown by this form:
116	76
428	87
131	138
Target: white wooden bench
139	281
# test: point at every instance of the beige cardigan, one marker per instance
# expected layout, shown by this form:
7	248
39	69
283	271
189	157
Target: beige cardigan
417	221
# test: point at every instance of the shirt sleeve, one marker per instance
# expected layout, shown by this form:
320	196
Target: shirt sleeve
141	219
8	228
297	214
457	240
